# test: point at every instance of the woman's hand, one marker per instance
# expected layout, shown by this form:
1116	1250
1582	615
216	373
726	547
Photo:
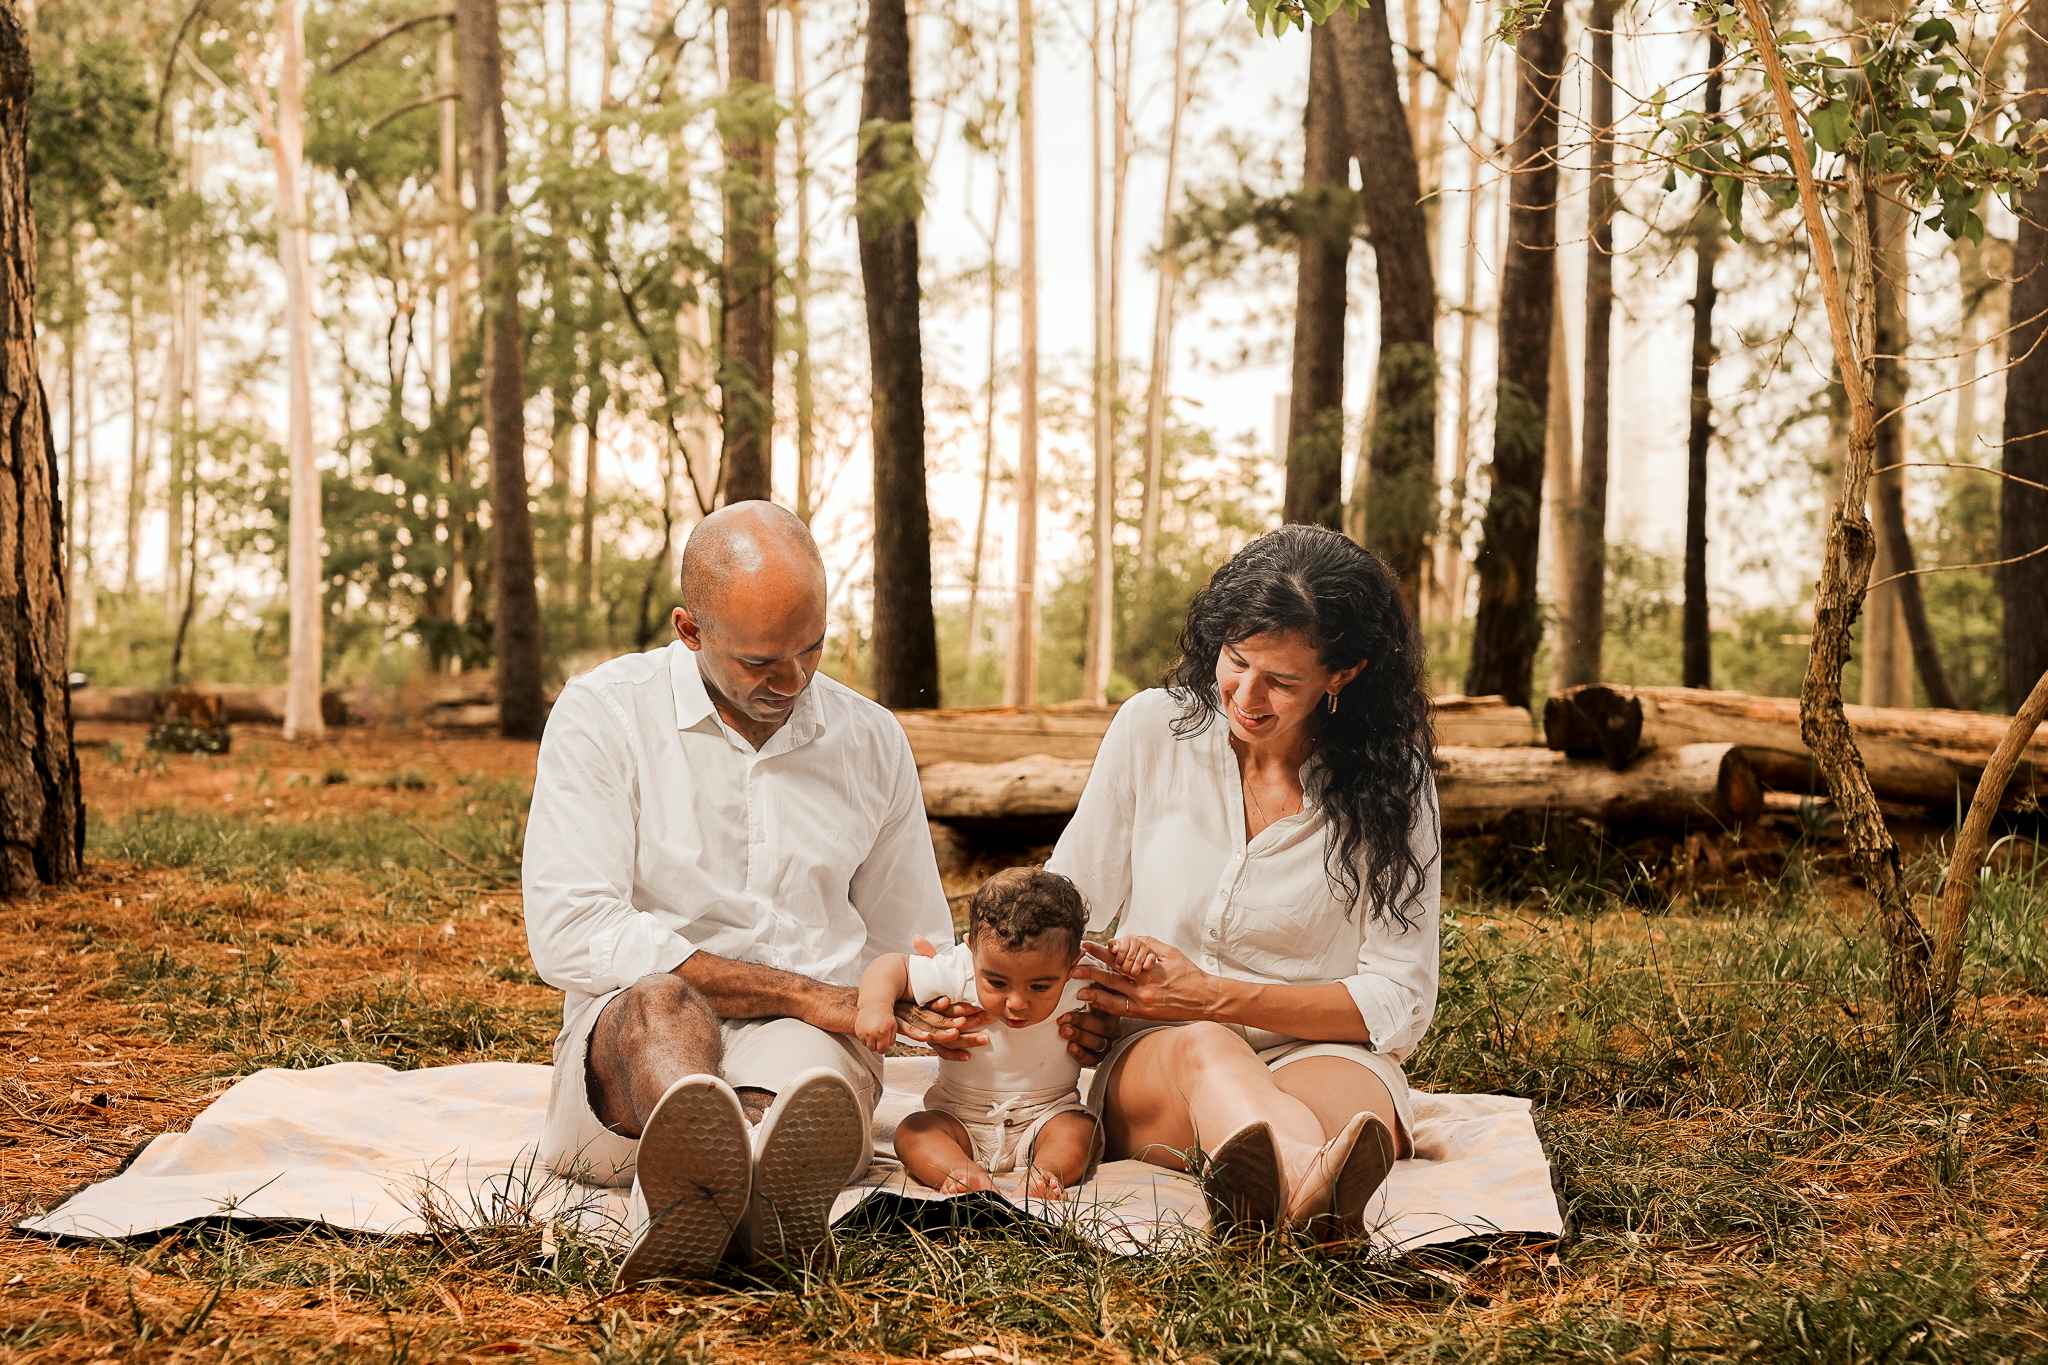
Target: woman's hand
1170	987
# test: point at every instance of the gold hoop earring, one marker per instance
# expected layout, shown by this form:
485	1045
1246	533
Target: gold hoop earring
1333	703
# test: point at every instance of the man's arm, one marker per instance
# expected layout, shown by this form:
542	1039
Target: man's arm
745	990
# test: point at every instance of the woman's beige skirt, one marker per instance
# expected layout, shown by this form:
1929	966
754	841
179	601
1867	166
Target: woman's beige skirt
1276	1056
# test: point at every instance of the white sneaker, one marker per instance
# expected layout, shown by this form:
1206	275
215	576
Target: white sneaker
808	1145
695	1173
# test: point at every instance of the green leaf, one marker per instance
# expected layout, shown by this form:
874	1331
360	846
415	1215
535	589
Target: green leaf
1831	126
1728	190
1935	34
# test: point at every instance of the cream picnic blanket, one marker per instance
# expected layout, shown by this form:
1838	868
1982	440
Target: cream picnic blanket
367	1148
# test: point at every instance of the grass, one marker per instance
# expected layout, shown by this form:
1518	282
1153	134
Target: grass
1751	1167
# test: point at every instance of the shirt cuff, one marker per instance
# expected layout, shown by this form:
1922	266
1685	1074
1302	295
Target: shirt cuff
1385	1009
932	977
637	946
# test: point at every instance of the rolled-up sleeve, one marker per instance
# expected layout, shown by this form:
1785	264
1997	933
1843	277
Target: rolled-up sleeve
949	974
1094	851
1396	982
896	889
577	869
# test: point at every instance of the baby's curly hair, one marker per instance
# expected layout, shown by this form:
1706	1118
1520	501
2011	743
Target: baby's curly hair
1021	903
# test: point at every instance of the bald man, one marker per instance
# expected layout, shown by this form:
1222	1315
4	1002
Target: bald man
720	842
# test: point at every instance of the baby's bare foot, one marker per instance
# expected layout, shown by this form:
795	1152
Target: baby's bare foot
1043	1184
962	1179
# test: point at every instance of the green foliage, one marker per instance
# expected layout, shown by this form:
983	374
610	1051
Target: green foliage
1277	16
1906	110
89	149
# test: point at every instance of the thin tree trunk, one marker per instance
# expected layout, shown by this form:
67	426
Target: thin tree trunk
42	815
806	400
2023	510
1315	408
1913	640
1157	373
515	614
1401	493
1696	631
1586	572
1022	689
131	545
597	392
73	583
1560	464
455	263
1097	658
284	130
746	370
594	401
906	669
1456	571
1509	627
972	650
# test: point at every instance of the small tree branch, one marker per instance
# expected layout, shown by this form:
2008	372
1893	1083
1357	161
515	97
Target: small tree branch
1959	886
405	26
423	102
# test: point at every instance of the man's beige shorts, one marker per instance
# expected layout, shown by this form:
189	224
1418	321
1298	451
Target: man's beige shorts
760	1054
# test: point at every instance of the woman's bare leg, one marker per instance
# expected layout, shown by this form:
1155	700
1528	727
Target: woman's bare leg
937	1151
1193	1086
1336	1089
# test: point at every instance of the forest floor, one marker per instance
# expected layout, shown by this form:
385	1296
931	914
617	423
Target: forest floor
1750	1168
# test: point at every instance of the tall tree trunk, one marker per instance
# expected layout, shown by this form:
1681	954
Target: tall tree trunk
1586	574
1505	636
972	650
455	265
2023	510
1889	224
1315	405
806	399
746	367
1022	688
594	400
1098	658
1157	373
1400	502
287	137
515	614
1560	463
1457	568
906	669
131	544
1696	631
42	815
73	582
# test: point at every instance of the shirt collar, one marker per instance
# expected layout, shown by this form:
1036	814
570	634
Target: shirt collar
693	704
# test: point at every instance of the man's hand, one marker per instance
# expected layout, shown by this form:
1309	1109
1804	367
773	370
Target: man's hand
947	1027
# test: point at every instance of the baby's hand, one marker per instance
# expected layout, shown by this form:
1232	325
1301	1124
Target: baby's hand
1133	957
876	1029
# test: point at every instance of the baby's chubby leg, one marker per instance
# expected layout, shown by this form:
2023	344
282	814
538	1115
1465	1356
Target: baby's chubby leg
937	1151
1059	1157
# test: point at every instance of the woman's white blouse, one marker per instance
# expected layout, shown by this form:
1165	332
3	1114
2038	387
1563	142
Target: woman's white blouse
1158	837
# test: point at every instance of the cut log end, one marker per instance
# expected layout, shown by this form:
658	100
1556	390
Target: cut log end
1594	722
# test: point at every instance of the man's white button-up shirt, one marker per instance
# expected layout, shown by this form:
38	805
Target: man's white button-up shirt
656	831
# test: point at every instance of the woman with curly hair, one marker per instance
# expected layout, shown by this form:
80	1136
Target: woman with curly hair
1267	825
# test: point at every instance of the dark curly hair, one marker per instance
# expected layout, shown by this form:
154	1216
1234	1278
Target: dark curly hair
1020	903
1373	757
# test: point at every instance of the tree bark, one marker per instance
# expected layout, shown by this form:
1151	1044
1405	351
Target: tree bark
454	233
1560	461
906	671
746	365
1400	502
1098	660
972	650
1696	631
1315	407
42	814
285	132
1508	629
806	399
131	544
1162	314
2023	510
1585	604
515	615
1455	570
1022	689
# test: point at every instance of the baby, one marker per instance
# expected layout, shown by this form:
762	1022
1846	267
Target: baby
1013	1104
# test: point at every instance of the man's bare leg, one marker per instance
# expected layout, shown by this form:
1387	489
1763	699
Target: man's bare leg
655	1032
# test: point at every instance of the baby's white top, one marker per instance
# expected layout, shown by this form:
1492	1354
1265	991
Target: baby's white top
1019	1062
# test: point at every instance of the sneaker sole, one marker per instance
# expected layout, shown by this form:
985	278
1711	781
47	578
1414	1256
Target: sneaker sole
1242	1183
805	1162
696	1171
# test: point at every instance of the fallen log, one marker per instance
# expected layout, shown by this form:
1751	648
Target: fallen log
994	734
1924	757
1693	785
243	705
